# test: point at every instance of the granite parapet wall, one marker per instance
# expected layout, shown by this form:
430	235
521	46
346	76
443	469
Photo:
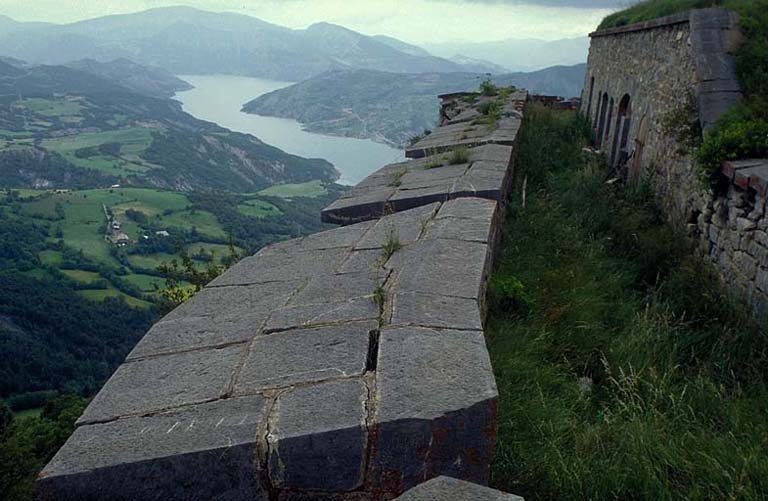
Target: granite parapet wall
349	364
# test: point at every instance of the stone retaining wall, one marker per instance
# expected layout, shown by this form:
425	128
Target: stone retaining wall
644	82
640	78
350	364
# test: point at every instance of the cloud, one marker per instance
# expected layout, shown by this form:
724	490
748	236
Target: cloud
580	4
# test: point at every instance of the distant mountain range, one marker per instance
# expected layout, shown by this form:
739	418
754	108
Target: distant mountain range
62	127
184	40
389	107
518	54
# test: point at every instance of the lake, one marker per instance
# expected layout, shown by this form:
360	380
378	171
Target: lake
219	98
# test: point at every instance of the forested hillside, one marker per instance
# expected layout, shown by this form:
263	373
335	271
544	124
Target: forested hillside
63	128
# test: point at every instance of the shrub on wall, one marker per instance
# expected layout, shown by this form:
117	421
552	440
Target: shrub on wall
736	135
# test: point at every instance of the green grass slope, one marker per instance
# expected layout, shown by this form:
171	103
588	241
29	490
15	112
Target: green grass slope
623	370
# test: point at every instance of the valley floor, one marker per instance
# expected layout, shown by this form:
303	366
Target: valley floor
623	370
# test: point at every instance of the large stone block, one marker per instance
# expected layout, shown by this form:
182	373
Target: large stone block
435	407
305	355
318	437
314	315
203	451
161	383
447	488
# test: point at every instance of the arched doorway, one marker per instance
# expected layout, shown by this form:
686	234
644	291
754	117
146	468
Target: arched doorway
619	153
607	135
601	120
642	132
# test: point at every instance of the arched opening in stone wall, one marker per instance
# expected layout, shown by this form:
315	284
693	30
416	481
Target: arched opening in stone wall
619	153
589	103
607	135
601	120
637	160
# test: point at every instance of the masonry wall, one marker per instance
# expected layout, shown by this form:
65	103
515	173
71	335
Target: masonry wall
643	78
654	70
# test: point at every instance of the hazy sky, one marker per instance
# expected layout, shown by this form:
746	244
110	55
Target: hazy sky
410	20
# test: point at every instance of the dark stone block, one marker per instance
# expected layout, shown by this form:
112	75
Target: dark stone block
200	452
302	316
305	355
436	407
317	437
443	488
428	310
165	382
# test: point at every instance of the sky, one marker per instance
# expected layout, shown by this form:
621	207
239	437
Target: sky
417	21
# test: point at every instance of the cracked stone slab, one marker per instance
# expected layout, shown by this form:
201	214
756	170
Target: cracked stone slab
366	260
317	437
405	227
486	175
228	302
444	267
468	208
203	451
428	310
281	267
187	333
308	315
215	316
159	383
443	488
305	355
437	405
339	288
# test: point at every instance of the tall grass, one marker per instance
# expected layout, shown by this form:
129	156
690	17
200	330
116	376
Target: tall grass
628	373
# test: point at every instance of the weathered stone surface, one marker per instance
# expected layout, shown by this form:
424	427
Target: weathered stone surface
359	350
339	288
436	412
203	451
425	181
447	488
317	437
165	382
279	267
428	310
305	355
216	316
403	227
308	315
426	268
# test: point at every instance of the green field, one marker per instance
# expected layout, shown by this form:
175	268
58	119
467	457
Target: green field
84	215
150	261
219	250
204	222
50	257
258	208
133	141
145	283
84	277
309	189
102	294
51	107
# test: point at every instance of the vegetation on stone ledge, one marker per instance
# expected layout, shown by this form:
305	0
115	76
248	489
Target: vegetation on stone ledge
743	132
623	370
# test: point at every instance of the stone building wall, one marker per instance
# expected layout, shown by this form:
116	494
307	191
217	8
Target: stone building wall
641	80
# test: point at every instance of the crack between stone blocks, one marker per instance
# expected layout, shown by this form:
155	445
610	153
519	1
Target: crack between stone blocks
318	325
371	435
263	447
300	384
197	349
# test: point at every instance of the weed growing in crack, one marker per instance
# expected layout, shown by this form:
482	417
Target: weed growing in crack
459	156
